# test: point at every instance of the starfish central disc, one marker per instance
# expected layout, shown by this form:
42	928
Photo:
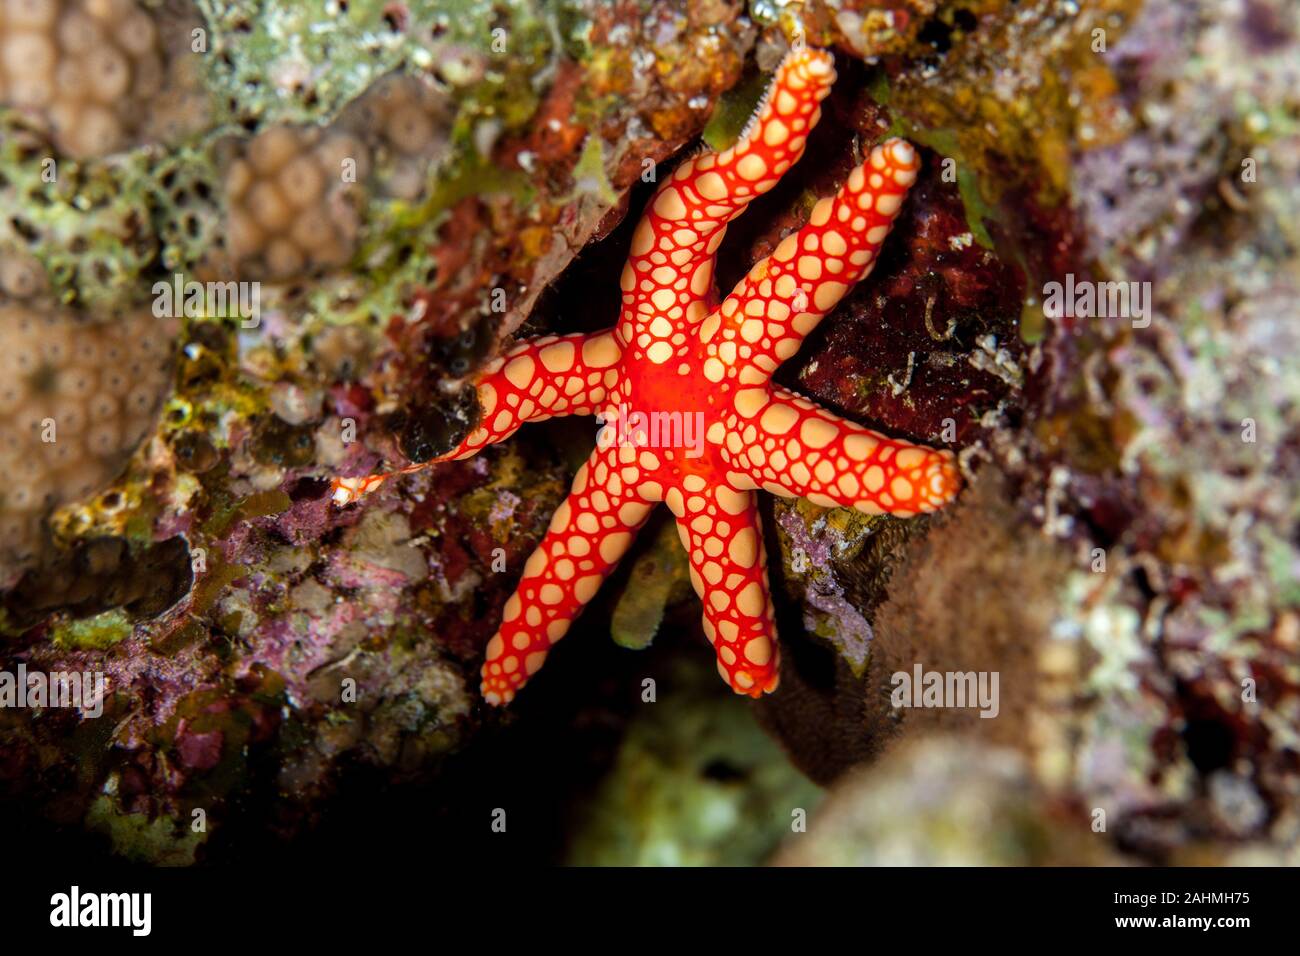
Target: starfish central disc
690	415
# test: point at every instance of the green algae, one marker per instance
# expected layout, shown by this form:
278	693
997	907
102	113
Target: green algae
696	783
974	196
734	110
93	633
160	841
589	172
658	576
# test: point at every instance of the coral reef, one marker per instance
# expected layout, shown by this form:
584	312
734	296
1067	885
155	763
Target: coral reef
100	75
76	397
1126	561
907	812
410	185
282	642
695	783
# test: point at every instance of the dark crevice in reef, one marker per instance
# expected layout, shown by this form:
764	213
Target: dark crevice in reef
540	761
586	297
817	720
100	574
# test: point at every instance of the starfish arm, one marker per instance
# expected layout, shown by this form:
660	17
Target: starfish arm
589	532
671	260
535	380
789	446
539	379
781	300
720	531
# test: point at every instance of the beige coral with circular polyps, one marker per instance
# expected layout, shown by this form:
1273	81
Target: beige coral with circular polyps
93	388
291	204
405	120
94	72
293	194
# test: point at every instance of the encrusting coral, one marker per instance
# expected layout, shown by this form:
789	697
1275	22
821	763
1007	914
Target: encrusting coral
403	121
101	75
676	354
288	203
76	397
294	194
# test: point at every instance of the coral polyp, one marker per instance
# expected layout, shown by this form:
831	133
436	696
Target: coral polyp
100	75
76	397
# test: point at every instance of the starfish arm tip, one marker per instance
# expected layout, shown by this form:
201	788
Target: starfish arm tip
589	533
494	692
799	449
346	491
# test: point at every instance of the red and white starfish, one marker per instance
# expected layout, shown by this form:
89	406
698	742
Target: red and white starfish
702	373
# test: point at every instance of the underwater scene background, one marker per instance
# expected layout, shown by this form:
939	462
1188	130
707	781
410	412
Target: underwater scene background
254	251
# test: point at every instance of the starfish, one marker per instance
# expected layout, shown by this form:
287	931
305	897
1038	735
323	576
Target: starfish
677	359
